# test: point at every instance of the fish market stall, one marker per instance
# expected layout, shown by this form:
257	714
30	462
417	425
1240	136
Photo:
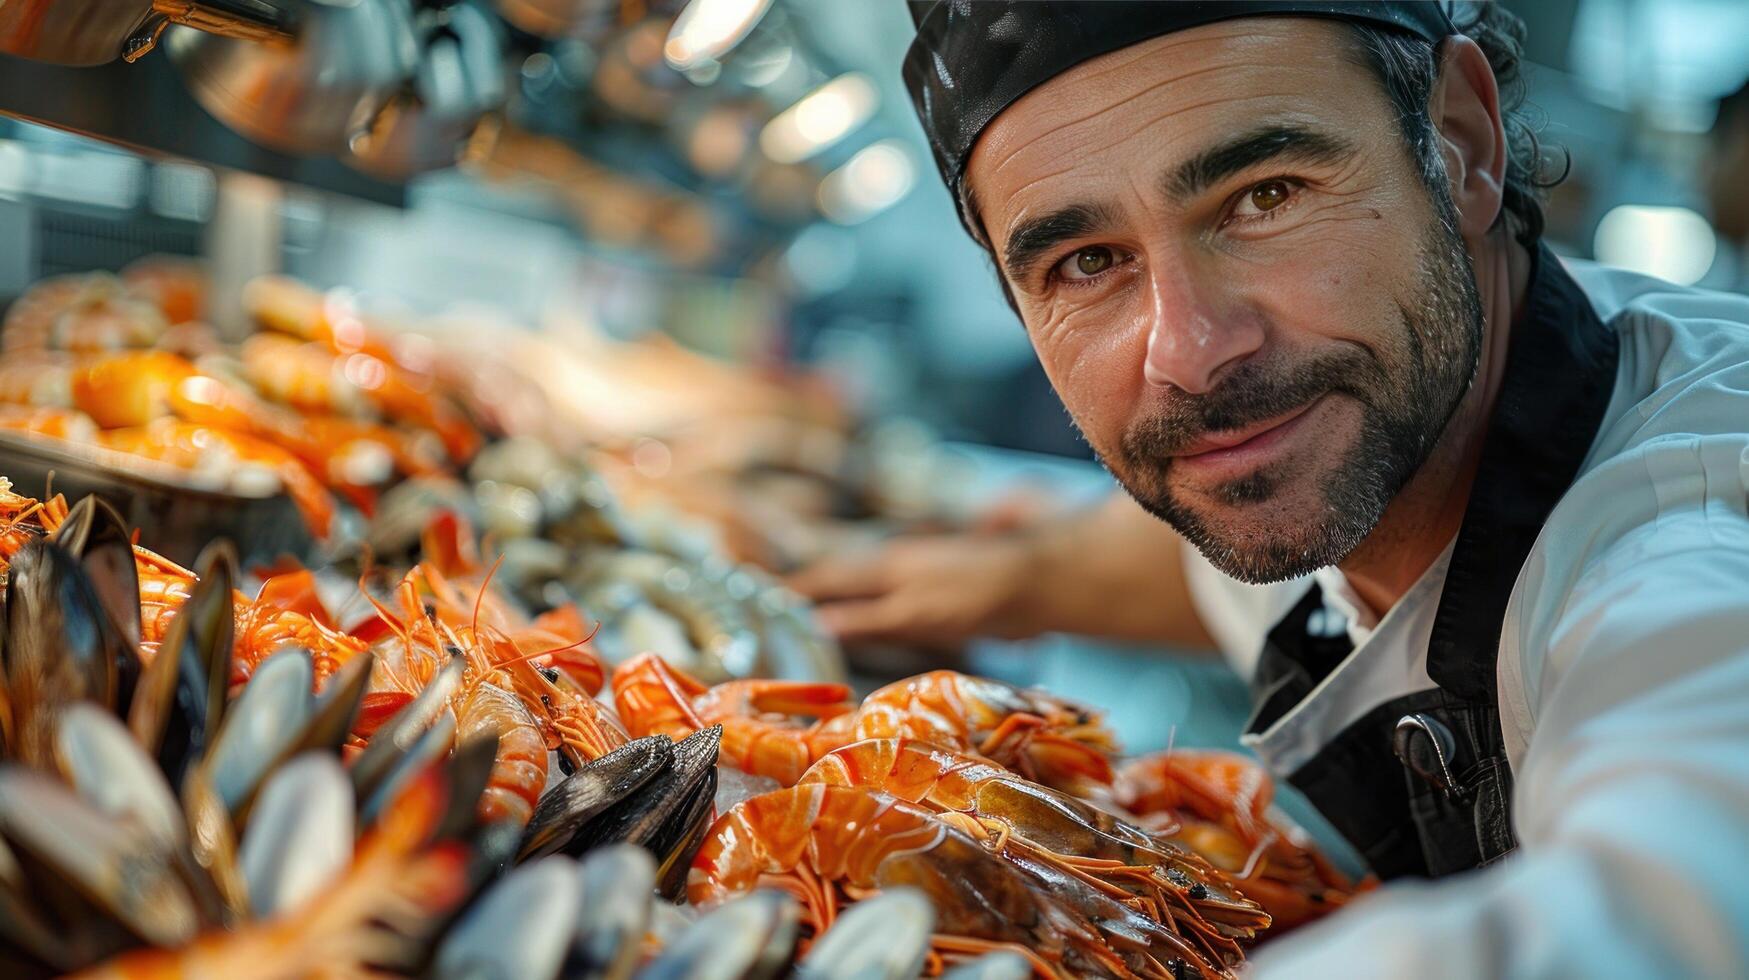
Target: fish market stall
422	427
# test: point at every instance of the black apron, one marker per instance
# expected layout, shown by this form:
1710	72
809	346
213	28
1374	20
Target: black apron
1420	785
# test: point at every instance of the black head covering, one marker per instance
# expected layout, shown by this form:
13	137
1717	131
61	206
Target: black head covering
972	59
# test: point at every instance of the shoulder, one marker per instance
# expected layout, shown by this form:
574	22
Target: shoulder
1684	353
1657	525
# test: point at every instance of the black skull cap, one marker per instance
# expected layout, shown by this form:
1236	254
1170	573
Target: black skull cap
972	59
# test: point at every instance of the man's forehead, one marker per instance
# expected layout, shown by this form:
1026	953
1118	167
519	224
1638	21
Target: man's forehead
1183	89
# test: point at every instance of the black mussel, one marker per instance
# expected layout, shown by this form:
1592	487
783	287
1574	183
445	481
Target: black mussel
396	736
618	882
882	938
60	646
519	930
1000	965
663	815
337	706
96	534
427	751
299	838
29	946
752	938
119	867
567	807
181	697
465	776
265	720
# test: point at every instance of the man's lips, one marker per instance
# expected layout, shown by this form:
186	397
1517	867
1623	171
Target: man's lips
1234	443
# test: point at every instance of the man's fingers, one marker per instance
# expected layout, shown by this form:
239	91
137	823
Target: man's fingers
840	578
865	619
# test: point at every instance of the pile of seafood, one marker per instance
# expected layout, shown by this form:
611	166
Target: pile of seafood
374	433
202	772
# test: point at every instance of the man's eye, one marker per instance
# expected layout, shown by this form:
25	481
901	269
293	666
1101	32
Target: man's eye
1086	263
1263	198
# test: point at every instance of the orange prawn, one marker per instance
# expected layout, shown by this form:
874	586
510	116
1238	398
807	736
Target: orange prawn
202	447
1044	738
655	698
65	424
1032	823
1217	803
519	772
831	844
316	380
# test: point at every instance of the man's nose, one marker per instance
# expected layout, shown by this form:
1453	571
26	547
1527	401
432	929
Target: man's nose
1190	339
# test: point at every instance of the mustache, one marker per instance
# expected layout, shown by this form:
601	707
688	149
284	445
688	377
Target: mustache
1253	393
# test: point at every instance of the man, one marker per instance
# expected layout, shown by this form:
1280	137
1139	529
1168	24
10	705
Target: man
1479	518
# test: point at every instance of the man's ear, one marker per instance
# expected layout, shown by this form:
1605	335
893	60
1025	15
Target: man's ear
1465	107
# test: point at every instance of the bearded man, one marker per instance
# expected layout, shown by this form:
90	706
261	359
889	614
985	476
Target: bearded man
1474	521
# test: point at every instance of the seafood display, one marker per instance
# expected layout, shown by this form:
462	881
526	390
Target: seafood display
278	795
522	714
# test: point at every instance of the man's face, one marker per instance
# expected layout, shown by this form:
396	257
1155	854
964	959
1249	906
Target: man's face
1238	282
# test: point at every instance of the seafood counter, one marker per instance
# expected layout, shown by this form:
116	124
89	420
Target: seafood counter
508	716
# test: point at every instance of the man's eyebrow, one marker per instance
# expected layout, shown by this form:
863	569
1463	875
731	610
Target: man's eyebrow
1246	150
1032	239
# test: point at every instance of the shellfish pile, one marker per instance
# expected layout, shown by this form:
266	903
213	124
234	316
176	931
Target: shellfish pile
201	779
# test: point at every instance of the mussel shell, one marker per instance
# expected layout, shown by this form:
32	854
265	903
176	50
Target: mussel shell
386	747
677	841
519	930
468	770
567	807
299	838
337	706
424	753
750	938
116	865
881	938
95	532
99	757
60	645
29	946
1000	965
663	815
265	720
618	885
181	697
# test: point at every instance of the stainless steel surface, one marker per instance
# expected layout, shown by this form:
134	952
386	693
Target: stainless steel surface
432	120
145	107
311	95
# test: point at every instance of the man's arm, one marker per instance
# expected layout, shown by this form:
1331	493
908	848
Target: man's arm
1112	571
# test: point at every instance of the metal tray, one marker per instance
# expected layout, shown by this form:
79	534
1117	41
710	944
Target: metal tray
177	512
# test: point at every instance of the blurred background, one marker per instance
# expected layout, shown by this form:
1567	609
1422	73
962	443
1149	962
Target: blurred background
742	179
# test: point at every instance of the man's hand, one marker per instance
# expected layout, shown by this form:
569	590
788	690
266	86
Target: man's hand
935	591
1111	571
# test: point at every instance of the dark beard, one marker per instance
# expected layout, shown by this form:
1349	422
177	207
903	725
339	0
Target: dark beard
1404	412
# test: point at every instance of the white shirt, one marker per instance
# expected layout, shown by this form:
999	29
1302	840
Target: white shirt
1623	682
